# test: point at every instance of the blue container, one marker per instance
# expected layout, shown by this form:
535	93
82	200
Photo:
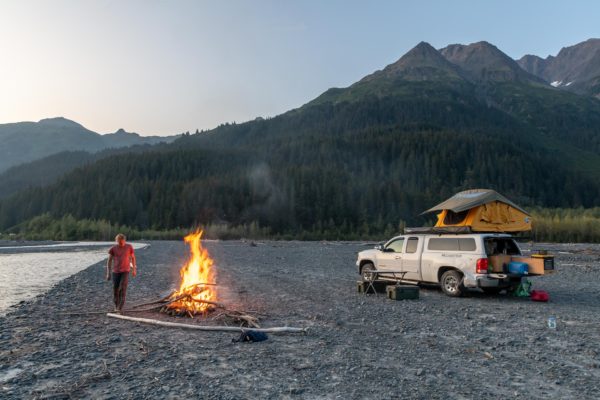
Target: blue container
518	268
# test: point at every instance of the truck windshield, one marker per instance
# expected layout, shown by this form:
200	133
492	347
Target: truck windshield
494	246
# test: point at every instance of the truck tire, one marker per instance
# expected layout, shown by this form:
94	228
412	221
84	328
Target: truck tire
491	290
452	283
366	272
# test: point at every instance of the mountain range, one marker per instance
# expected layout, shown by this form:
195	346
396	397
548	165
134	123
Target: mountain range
22	142
355	160
575	68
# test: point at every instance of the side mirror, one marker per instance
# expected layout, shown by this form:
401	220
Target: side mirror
379	247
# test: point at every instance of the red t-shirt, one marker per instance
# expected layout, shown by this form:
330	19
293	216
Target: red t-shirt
121	257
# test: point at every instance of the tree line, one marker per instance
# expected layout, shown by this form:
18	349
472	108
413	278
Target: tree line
549	225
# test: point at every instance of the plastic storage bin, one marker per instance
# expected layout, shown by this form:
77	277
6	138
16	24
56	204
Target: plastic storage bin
518	268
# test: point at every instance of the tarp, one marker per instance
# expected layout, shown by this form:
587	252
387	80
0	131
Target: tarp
482	210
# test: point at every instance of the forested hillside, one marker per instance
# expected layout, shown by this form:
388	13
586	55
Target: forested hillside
48	170
355	161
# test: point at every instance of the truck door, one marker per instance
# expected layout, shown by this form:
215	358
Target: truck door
411	259
390	258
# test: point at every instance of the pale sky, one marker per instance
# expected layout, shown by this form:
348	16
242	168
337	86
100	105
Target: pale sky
165	67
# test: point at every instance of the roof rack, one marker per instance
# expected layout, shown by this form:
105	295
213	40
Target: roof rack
439	230
457	230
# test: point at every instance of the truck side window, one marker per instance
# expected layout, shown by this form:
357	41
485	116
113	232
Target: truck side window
396	245
411	245
467	244
443	244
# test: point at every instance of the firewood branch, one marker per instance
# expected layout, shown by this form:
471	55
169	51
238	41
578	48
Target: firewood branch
283	329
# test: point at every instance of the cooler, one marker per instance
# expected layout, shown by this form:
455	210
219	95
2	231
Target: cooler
518	268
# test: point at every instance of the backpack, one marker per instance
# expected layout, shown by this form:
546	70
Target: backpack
524	288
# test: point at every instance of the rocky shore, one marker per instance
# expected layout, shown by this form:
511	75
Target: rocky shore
357	347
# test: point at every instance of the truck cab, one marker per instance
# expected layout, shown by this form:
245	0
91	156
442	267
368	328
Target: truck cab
454	261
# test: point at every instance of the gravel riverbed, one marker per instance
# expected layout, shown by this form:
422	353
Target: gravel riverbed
357	346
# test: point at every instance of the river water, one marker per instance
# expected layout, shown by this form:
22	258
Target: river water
29	270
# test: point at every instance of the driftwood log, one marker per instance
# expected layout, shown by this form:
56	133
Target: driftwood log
282	329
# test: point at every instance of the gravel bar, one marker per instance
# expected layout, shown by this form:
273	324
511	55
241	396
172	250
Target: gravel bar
357	346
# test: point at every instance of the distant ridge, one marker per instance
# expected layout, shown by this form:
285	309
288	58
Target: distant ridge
60	122
423	62
575	68
23	142
483	62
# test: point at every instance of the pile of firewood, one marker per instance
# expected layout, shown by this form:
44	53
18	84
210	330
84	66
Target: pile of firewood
187	304
175	304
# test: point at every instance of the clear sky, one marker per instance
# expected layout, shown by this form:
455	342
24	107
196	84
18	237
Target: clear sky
165	67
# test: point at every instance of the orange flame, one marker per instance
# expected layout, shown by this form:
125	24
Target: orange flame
196	278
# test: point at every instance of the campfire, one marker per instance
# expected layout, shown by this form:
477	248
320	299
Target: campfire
197	291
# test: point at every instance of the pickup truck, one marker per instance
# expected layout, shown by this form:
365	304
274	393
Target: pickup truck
454	261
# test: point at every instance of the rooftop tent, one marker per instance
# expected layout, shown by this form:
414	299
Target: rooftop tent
482	210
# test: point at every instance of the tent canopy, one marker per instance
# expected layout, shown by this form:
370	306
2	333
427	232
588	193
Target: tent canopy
481	210
468	199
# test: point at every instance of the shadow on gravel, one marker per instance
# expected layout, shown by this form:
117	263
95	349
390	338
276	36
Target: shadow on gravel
476	294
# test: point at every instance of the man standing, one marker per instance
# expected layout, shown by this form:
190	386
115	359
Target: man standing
121	258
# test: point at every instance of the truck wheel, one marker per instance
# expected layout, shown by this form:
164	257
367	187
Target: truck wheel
452	283
491	290
367	272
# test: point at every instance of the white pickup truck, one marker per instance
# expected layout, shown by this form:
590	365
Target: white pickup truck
454	261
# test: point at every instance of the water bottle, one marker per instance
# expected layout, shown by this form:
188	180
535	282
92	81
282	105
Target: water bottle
552	322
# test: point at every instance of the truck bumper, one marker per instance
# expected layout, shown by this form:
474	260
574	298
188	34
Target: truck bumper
485	280
495	280
488	282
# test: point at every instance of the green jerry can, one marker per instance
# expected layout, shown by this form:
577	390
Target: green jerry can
402	292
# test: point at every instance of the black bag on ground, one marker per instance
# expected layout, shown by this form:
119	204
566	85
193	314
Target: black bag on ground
251	336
